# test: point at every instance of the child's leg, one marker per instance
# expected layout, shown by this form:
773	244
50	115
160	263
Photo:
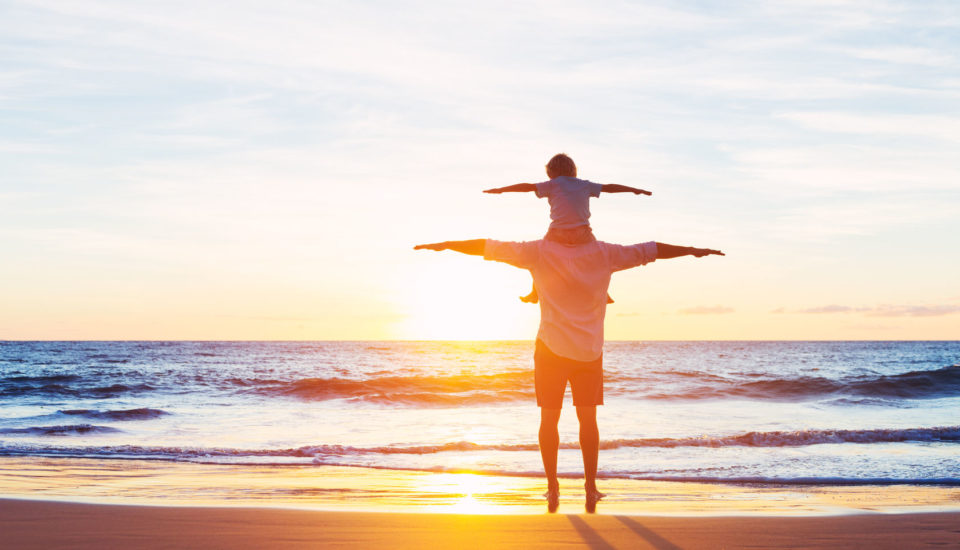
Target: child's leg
531	298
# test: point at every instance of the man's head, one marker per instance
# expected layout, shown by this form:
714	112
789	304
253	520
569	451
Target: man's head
561	165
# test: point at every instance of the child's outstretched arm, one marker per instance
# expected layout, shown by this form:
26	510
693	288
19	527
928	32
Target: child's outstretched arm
617	188
518	188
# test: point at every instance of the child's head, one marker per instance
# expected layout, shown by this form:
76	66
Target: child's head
561	165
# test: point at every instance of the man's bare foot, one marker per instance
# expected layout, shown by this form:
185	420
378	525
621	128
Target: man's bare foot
553	500
531	298
609	299
593	496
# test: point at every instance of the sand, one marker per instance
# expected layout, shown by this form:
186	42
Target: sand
95	503
43	524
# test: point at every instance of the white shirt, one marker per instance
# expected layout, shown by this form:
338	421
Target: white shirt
572	281
569	200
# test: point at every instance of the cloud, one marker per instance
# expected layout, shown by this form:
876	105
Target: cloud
883	310
271	319
934	126
24	148
872	327
835	166
913	311
828	309
706	310
901	55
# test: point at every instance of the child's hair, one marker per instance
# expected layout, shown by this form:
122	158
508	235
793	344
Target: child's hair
562	165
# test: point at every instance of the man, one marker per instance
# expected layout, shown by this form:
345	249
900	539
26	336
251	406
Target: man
572	281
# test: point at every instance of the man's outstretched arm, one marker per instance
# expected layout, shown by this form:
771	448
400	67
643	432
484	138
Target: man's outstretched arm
667	251
518	188
617	188
474	247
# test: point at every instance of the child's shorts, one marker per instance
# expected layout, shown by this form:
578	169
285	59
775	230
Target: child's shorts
552	372
571	235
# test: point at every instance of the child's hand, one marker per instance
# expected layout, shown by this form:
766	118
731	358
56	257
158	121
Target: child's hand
642	192
518	188
701	252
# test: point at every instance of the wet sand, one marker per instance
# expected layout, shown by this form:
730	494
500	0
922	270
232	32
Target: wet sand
347	489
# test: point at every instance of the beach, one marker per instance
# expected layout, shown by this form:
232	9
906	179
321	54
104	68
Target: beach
49	525
98	503
409	444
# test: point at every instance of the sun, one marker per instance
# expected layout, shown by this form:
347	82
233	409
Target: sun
467	300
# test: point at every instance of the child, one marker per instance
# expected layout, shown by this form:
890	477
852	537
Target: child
569	200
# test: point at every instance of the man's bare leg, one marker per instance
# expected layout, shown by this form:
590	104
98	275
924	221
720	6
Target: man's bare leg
590	448
549	446
589	444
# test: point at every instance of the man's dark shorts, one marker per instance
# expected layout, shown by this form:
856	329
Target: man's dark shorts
552	373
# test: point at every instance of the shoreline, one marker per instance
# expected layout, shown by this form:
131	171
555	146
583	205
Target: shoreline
31	524
353	489
53	503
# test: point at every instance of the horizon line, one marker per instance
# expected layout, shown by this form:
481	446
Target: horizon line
3	341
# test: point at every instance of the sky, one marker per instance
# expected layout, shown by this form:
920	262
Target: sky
257	170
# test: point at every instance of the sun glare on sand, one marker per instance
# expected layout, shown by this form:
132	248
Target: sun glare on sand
468	300
469	487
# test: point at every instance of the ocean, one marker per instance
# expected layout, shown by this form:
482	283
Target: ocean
777	413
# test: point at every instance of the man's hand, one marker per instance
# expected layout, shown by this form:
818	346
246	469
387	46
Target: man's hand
495	191
432	246
641	192
474	247
667	251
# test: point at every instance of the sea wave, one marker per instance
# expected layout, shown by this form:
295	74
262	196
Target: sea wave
696	478
127	414
47	379
41	388
303	457
943	382
798	438
819	481
415	390
949	434
801	438
105	358
471	388
73	429
516	385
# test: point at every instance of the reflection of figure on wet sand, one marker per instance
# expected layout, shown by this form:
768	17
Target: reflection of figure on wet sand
572	281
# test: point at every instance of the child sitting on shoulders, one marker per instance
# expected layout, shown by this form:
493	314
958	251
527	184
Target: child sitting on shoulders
569	200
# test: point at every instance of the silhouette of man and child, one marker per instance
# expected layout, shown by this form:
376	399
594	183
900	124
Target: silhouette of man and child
571	272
